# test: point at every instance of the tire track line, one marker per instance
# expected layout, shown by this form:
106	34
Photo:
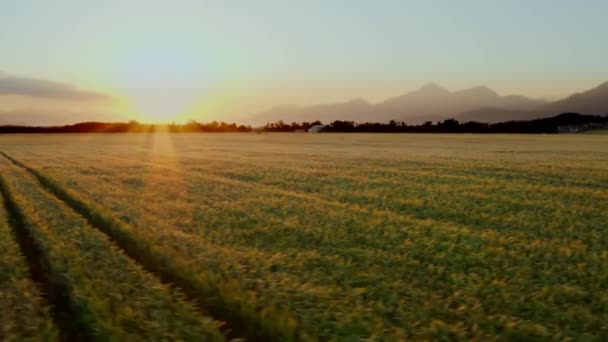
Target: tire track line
71	317
237	324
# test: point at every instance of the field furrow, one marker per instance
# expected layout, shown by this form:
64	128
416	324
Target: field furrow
516	193
220	298
100	293
514	206
25	313
350	237
414	201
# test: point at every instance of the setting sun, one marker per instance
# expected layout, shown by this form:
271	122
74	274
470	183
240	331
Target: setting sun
163	79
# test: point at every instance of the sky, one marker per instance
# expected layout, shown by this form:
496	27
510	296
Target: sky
79	60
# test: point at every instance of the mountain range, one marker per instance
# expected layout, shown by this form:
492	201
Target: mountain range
433	103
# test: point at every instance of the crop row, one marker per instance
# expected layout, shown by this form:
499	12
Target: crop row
25	314
501	203
353	271
98	292
386	246
219	296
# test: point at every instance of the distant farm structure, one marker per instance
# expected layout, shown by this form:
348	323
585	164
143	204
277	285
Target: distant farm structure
316	128
582	127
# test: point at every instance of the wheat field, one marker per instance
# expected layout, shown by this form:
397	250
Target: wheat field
338	237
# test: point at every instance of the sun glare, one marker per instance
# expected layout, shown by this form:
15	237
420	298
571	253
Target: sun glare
162	105
163	82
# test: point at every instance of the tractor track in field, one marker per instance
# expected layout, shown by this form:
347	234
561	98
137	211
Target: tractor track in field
235	325
55	290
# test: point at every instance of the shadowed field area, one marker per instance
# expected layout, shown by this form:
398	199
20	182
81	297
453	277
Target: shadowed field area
302	237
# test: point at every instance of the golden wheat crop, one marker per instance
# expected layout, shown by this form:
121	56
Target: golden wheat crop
107	295
343	237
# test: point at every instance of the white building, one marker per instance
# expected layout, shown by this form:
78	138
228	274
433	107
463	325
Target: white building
316	129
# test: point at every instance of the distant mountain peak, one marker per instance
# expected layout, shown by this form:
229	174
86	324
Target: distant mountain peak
358	100
483	89
603	88
433	102
592	101
479	91
432	87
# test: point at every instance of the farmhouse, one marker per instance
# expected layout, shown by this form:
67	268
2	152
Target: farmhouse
316	129
582	128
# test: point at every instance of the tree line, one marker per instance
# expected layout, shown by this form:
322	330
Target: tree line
130	127
554	124
567	122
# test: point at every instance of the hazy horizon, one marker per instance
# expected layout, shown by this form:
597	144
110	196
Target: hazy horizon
155	61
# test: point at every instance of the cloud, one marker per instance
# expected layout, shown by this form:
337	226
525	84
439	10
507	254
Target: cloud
33	117
33	87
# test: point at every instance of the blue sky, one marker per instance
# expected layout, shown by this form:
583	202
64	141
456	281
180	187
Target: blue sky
229	57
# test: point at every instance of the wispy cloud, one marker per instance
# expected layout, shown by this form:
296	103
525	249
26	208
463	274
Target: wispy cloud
52	117
33	87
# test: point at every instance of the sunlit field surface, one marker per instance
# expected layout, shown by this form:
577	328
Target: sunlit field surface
316	236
